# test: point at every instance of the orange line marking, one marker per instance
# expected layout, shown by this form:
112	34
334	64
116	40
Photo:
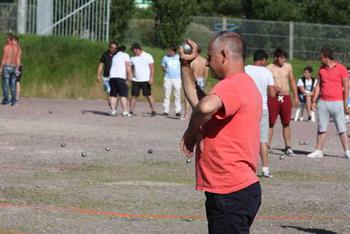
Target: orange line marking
81	211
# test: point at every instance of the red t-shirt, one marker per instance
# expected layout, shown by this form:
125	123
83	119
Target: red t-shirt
331	82
231	138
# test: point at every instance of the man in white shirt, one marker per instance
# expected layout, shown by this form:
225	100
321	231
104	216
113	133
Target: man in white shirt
120	76
263	79
143	68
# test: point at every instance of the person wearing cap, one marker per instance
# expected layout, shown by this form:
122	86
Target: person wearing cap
143	69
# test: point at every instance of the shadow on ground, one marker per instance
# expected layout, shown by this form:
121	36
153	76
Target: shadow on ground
310	230
94	112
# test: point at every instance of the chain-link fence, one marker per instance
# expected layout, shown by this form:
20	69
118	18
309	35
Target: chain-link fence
8	17
300	40
73	18
88	19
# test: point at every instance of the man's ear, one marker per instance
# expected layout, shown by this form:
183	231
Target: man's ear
223	56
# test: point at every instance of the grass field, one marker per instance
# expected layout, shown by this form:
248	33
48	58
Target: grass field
57	67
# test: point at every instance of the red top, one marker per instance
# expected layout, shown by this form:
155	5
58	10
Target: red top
231	139
331	78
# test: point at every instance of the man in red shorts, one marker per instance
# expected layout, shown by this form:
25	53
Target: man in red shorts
282	104
225	127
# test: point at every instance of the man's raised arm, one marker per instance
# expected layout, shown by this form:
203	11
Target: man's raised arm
188	80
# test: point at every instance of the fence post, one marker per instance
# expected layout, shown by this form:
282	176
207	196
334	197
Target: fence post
108	19
21	16
291	39
44	17
224	23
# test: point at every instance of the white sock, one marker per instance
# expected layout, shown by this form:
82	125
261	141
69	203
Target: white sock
265	170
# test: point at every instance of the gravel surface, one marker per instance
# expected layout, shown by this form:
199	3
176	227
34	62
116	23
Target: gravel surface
47	187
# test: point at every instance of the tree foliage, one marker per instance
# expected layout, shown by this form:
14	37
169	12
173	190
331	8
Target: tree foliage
311	11
121	12
172	19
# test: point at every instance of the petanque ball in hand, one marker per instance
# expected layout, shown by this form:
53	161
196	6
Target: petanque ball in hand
187	48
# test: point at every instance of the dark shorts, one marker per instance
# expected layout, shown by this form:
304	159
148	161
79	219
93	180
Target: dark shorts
19	75
302	98
144	86
280	105
233	212
118	87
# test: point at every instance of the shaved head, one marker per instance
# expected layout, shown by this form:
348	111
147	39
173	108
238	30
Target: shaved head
230	42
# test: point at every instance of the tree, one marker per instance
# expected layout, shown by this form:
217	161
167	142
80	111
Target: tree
281	10
327	11
172	19
121	12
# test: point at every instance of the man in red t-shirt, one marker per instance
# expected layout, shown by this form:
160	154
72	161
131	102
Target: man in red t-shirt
333	90
225	127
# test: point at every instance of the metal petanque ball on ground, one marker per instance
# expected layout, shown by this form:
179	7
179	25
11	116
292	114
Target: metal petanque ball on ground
150	151
63	145
50	112
83	154
188	160
107	148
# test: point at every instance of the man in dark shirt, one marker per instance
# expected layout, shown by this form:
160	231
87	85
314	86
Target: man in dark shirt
105	66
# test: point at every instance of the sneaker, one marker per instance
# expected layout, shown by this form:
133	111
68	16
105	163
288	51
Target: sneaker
178	114
165	113
267	175
153	113
315	154
289	152
131	113
126	114
113	113
347	154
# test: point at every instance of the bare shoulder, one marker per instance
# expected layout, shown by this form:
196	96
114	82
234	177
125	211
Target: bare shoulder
288	66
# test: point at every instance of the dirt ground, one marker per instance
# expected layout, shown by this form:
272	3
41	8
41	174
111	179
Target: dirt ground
48	188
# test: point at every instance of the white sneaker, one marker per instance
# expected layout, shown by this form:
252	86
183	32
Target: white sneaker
316	154
113	113
267	175
289	152
347	154
126	114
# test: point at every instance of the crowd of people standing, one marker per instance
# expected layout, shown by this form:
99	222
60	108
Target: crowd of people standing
117	70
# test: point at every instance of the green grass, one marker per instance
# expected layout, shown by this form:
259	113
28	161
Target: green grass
58	67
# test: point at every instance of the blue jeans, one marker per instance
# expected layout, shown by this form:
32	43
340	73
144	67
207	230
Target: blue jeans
9	82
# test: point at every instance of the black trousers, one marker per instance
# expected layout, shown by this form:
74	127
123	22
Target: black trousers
233	212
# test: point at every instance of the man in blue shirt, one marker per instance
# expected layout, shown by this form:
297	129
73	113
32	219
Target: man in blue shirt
172	79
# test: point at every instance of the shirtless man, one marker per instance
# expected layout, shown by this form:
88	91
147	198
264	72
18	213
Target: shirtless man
282	104
200	73
9	65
